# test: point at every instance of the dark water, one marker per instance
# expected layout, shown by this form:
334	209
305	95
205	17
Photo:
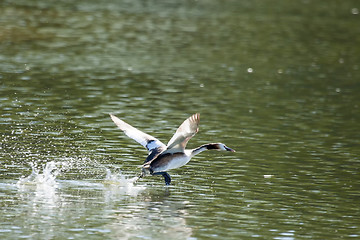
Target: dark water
277	81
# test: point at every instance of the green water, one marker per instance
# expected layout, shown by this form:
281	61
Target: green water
278	81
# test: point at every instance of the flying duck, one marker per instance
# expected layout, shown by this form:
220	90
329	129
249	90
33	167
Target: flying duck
163	157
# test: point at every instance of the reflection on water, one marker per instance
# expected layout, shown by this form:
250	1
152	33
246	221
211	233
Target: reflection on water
122	206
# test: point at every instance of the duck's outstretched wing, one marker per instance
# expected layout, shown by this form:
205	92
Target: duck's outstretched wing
183	134
149	142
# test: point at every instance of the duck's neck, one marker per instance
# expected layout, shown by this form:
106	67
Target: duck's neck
203	148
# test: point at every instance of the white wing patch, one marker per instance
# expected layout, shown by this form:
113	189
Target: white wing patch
152	144
146	140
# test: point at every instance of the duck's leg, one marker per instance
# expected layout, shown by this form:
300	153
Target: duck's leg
166	176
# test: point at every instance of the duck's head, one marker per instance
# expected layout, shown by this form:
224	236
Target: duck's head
219	146
227	148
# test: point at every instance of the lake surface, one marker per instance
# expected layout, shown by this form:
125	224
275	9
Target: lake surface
277	81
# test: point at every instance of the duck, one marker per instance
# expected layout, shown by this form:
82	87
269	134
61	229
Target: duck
161	158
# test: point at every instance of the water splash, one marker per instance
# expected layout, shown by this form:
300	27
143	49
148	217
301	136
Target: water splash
41	188
44	180
119	178
124	184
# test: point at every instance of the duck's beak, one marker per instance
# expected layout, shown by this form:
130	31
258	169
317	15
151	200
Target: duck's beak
229	149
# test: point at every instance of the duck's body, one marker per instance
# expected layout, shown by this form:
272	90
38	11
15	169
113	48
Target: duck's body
167	161
163	157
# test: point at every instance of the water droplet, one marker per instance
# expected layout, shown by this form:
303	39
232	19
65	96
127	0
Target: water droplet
355	11
268	176
250	70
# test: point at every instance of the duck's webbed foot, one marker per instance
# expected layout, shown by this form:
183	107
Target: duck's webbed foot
166	176
141	175
138	178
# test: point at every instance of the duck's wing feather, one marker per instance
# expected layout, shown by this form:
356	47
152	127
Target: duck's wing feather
146	140
183	134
